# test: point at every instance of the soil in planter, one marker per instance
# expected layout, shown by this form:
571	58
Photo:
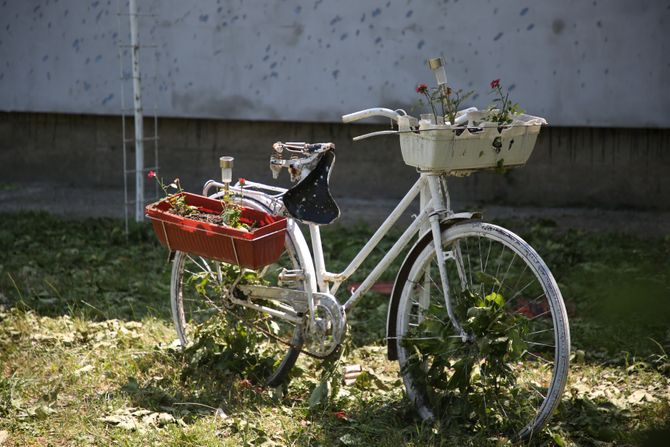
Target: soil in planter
215	219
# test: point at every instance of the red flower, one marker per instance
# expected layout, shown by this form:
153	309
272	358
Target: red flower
422	88
151	174
495	83
341	415
242	181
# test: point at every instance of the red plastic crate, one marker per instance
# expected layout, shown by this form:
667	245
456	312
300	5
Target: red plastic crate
251	249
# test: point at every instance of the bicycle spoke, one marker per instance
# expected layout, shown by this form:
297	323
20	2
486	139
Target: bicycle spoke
469	263
542	359
479	244
486	262
518	280
530	283
506	272
540	332
539	344
540	315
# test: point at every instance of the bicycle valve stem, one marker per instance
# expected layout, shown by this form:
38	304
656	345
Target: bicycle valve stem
226	164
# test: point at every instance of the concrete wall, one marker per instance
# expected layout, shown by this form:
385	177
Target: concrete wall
571	166
596	63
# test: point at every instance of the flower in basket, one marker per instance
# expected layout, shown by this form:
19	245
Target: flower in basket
230	214
177	203
503	109
445	98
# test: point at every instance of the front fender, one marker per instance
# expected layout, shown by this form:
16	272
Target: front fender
403	273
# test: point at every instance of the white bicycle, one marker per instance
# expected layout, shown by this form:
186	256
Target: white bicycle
476	319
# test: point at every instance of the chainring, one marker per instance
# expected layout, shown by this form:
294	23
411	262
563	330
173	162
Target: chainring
325	333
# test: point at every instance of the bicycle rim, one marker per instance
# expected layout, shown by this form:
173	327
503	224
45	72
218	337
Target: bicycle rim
509	378
249	342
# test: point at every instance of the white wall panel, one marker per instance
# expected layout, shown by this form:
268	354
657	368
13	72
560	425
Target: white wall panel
593	63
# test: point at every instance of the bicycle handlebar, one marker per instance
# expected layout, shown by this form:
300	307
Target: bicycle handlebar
367	113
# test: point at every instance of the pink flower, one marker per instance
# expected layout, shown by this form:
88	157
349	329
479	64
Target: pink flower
422	88
495	83
151	174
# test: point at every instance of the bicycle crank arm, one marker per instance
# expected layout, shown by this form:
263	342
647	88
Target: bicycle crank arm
323	331
280	311
297	300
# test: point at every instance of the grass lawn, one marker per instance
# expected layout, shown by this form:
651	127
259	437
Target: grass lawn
87	352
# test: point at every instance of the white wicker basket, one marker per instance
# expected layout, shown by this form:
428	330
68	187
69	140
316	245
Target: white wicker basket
478	146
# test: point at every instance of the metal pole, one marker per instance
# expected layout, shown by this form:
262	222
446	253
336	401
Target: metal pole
137	101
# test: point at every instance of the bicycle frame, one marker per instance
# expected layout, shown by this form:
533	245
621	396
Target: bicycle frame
435	205
324	277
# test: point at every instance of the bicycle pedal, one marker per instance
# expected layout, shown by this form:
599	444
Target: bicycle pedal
351	373
290	276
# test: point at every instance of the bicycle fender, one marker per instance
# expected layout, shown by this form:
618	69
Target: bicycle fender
301	247
403	273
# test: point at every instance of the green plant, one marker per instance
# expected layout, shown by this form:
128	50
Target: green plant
225	344
472	383
177	201
231	211
448	99
502	110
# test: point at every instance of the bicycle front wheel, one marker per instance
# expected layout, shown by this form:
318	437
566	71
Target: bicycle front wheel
239	339
507	375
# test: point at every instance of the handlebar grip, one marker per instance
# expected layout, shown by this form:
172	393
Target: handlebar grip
367	113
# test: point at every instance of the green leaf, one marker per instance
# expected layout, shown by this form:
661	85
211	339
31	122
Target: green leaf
43	411
487	279
319	395
461	377
348	439
495	298
560	442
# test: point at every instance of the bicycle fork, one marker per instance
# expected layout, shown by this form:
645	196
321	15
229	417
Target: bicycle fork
441	208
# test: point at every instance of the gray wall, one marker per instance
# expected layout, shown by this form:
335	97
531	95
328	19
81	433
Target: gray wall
594	63
607	168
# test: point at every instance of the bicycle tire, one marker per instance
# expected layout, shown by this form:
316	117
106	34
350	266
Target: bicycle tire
193	309
421	331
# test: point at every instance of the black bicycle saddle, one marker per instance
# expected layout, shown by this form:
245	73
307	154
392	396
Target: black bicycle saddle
310	200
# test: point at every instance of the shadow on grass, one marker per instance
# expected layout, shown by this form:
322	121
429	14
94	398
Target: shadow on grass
368	416
82	268
655	437
191	394
590	422
183	392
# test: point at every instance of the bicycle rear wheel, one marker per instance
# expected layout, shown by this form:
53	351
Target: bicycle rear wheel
509	375
240	339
